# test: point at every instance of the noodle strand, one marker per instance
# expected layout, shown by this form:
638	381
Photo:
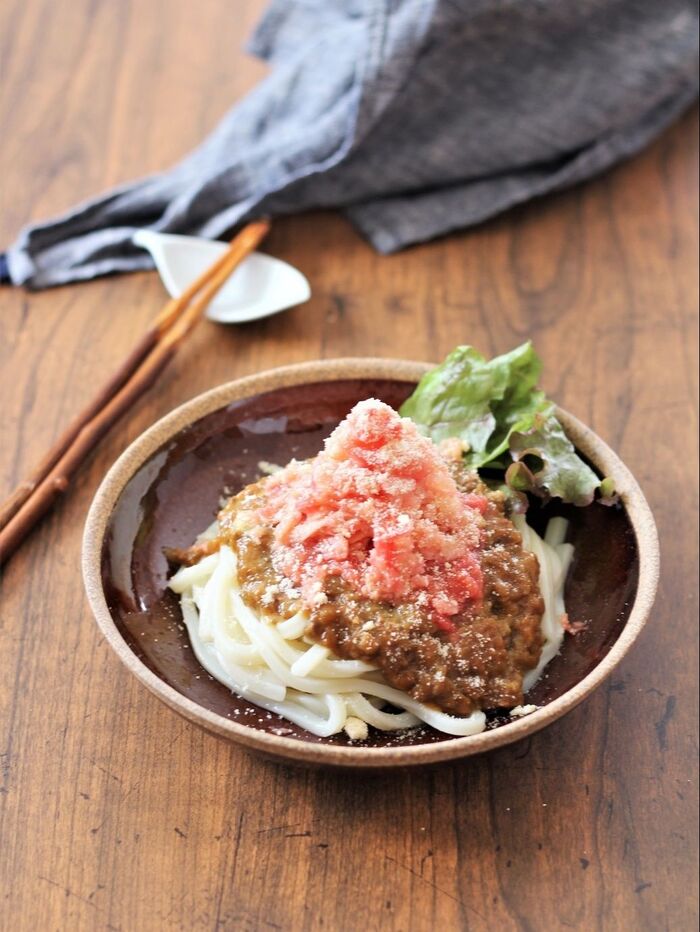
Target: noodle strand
275	667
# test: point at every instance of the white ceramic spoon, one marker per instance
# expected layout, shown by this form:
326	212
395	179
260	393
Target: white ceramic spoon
260	286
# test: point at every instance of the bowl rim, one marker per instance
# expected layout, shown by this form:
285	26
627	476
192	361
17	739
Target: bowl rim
293	749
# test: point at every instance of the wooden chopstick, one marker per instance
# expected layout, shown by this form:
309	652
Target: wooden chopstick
33	498
165	319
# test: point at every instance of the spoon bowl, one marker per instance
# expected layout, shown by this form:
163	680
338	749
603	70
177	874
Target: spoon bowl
260	287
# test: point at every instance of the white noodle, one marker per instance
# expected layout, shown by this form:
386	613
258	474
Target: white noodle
278	668
554	557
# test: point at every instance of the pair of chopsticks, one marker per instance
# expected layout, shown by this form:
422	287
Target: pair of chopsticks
51	478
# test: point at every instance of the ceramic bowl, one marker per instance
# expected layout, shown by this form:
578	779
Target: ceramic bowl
167	487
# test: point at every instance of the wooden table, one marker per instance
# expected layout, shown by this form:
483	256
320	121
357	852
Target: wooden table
116	814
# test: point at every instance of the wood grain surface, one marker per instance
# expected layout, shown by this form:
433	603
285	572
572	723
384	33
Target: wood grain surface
118	815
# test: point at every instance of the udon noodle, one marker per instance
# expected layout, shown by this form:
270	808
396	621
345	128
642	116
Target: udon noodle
278	667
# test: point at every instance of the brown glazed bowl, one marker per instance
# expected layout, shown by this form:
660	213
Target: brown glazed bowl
166	487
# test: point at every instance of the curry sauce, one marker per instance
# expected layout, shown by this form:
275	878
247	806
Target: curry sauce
479	664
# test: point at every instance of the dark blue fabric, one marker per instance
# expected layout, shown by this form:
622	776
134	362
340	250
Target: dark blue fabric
414	117
4	270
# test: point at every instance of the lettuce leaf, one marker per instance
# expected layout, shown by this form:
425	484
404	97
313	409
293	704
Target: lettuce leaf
503	420
545	462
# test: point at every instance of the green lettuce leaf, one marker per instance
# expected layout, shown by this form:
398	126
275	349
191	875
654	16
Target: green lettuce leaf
477	400
503	420
546	463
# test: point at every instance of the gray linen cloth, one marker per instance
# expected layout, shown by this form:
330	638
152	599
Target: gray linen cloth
415	117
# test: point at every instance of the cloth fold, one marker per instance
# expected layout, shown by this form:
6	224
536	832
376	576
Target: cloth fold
414	117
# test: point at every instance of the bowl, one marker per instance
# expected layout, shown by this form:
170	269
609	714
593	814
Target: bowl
167	486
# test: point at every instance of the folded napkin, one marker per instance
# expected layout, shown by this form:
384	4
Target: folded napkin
414	117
